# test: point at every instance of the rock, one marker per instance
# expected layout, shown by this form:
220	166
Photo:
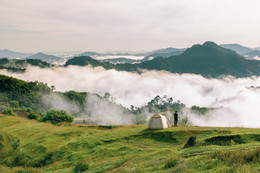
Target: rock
191	142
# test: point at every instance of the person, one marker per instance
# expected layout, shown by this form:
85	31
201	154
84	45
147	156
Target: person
175	118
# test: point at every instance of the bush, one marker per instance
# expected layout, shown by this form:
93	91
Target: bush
8	112
172	162
81	167
57	116
33	116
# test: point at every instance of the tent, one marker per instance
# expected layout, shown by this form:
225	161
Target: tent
158	121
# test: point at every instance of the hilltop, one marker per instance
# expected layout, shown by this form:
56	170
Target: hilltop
45	57
27	145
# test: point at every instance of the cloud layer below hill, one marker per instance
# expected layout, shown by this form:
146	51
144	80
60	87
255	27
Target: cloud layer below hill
237	99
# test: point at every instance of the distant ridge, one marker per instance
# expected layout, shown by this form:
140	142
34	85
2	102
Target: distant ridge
237	48
12	54
45	57
253	54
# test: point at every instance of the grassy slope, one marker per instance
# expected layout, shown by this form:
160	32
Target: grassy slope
127	148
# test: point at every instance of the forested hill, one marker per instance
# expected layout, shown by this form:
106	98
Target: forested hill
18	65
208	60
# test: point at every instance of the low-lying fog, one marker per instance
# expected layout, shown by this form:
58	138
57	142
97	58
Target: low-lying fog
239	101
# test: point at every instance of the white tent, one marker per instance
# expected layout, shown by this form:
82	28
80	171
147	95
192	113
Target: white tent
158	121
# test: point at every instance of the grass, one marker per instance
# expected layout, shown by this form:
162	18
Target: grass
30	146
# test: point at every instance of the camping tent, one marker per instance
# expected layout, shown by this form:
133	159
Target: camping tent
158	121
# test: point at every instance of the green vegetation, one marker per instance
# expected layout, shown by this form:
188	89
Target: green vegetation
22	96
200	110
27	99
33	116
32	146
81	167
8	112
57	116
17	65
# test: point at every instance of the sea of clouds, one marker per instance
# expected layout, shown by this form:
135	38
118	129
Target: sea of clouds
236	100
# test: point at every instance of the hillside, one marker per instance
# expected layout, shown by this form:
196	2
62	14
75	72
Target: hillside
208	60
27	145
19	65
86	60
164	53
45	57
23	97
253	54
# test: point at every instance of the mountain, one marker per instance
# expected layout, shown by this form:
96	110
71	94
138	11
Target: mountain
255	54
164	50
12	55
86	60
45	57
90	54
209	60
164	53
125	57
237	48
119	60
212	60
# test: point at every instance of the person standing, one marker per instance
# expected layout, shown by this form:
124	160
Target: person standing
175	118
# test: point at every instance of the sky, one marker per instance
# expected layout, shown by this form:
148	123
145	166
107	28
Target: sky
123	25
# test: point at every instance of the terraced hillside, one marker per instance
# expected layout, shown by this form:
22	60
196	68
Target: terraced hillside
31	146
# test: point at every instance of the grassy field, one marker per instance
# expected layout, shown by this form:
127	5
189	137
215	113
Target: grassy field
30	146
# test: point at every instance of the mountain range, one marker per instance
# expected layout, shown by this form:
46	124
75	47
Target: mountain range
9	54
208	59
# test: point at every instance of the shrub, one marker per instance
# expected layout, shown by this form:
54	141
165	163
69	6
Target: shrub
8	112
33	116
172	162
191	142
81	167
57	116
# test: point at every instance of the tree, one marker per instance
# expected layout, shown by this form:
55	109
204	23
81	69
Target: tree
8	112
57	116
33	116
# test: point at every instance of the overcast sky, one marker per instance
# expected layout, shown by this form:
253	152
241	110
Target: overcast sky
125	25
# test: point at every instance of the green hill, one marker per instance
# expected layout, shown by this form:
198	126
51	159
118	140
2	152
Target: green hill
18	65
30	146
208	60
45	57
86	60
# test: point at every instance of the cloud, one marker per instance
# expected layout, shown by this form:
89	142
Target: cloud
103	112
122	25
236	100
